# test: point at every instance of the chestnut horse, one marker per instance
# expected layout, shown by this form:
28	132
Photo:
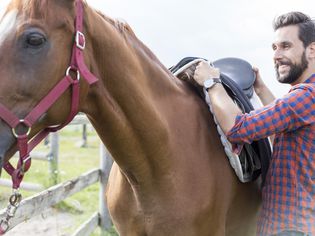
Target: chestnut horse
170	176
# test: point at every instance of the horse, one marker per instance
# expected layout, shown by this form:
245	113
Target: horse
170	174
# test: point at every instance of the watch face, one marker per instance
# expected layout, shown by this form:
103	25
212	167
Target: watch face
208	83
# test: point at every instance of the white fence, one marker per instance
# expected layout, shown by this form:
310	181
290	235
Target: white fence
51	156
36	204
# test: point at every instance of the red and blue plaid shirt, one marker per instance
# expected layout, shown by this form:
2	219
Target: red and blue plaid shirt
289	190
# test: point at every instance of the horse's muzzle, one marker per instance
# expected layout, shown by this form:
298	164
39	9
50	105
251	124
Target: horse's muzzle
6	143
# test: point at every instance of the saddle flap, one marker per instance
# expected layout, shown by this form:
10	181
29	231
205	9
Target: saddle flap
240	71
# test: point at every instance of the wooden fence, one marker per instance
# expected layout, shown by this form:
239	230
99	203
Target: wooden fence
51	156
36	204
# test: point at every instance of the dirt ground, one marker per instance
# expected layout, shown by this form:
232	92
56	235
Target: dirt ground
50	223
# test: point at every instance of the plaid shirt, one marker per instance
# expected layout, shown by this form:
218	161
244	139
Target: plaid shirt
289	190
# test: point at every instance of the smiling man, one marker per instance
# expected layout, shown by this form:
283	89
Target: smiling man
289	191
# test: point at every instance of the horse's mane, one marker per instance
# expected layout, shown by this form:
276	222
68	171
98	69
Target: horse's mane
42	8
122	26
126	32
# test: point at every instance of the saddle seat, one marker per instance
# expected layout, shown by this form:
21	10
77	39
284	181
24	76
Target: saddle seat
237	78
240	71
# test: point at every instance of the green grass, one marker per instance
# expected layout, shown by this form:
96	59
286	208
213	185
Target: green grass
73	161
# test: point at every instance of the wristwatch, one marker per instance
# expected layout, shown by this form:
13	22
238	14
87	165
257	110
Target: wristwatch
209	83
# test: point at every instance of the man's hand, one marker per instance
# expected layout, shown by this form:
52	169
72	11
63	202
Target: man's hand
224	108
259	84
261	89
204	71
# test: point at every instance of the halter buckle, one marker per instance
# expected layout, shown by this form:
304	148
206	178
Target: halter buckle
80	40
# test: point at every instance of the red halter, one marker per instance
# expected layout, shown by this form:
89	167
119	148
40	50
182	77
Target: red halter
77	65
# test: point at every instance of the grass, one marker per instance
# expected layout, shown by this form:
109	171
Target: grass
73	161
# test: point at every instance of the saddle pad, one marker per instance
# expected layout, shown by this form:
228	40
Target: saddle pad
254	158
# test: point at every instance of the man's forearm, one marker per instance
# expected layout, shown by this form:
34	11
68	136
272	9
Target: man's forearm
265	95
224	109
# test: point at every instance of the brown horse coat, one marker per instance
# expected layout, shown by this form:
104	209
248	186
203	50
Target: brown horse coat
170	176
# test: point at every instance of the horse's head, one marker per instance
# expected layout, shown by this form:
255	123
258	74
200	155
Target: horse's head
36	38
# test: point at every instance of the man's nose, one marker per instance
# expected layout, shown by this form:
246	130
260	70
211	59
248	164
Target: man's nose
277	55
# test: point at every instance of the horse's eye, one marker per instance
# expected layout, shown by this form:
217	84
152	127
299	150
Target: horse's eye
35	40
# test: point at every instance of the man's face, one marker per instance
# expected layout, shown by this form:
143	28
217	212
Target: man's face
289	55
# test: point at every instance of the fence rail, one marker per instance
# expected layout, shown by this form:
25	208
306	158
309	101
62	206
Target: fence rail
89	226
24	185
51	156
36	204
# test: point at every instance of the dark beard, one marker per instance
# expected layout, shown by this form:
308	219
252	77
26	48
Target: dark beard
296	70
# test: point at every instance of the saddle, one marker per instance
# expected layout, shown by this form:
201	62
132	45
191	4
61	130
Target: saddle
238	70
237	78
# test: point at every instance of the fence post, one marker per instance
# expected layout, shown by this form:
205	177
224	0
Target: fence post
84	136
105	165
53	157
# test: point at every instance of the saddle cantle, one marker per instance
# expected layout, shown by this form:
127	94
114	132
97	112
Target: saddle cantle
238	78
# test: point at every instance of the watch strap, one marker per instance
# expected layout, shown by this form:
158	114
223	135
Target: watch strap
215	81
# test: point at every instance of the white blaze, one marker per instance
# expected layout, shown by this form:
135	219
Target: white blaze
7	24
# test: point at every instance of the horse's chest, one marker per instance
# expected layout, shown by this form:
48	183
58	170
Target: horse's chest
158	216
155	223
165	211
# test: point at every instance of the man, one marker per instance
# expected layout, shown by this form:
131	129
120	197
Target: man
289	192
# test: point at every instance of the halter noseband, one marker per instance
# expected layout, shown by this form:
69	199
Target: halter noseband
25	146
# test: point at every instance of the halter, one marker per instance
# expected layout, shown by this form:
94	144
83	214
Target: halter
78	67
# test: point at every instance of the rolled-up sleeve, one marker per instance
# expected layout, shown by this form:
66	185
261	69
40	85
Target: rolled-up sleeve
294	110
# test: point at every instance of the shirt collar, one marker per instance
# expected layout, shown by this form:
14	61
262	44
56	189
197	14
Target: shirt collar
311	79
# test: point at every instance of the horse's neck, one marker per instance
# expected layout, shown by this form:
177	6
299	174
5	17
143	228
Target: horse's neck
126	106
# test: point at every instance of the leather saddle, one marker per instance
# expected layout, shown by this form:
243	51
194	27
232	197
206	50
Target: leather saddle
240	71
238	78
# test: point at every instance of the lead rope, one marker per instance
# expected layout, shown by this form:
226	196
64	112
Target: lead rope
24	164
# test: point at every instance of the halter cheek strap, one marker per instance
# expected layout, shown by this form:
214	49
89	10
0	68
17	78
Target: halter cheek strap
79	68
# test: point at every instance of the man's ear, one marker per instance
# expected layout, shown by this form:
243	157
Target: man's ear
311	51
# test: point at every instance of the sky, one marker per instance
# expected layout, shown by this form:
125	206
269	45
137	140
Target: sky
174	29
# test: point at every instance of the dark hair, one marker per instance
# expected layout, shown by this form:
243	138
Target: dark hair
304	22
